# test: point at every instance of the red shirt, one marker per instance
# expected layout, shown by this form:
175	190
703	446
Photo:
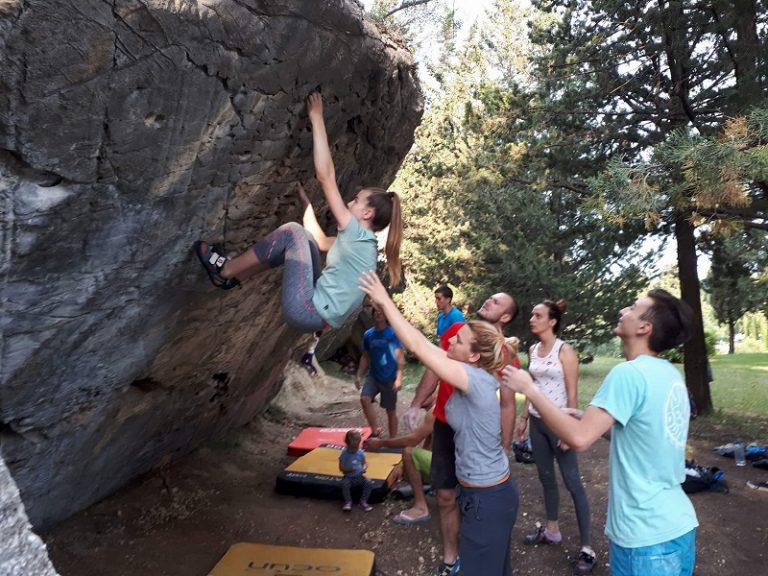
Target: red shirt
444	390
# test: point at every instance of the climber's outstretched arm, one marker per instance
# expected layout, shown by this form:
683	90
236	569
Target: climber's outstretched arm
324	169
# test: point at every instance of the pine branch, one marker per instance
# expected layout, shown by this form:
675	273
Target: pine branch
405	5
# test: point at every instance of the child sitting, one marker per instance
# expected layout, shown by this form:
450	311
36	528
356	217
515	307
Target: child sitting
352	464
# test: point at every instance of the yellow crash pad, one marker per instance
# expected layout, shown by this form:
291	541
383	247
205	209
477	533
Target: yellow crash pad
245	559
325	461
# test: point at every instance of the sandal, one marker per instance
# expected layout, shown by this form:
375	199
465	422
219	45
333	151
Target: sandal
212	258
762	486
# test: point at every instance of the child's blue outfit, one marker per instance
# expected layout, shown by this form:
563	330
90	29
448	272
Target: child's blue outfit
356	461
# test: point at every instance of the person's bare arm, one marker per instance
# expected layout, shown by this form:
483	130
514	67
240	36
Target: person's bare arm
432	356
324	169
425	388
309	220
570	361
362	368
523	425
400	357
578	434
413	439
508	413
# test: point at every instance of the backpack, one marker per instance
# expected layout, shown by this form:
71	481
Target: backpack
701	478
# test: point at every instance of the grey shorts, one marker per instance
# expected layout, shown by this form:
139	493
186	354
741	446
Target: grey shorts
372	387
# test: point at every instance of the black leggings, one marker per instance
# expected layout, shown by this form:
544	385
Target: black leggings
545	451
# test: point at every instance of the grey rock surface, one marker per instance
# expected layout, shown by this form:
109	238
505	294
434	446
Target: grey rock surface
22	553
128	129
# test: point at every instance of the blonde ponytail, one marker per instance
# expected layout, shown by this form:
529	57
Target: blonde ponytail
489	343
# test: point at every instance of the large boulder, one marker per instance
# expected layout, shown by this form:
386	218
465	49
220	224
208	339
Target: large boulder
22	553
127	130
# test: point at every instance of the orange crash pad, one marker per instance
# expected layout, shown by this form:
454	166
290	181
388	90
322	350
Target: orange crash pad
311	438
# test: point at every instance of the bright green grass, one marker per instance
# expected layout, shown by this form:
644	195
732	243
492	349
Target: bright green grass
740	399
739	394
741	383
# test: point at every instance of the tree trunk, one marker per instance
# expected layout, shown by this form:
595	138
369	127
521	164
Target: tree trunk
695	350
741	17
731	337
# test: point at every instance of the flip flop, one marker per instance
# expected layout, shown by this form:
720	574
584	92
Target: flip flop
212	258
762	486
404	520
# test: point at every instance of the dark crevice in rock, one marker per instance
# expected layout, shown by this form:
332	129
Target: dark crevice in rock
105	171
147	384
7	430
19	432
204	69
16	165
220	381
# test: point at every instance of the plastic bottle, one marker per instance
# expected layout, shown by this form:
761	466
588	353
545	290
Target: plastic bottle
738	453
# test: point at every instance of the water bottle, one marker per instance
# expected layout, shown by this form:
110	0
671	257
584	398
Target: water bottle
738	453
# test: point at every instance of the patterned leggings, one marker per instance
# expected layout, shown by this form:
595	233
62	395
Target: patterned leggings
294	248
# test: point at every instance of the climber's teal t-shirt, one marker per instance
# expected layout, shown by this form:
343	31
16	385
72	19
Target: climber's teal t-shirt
337	293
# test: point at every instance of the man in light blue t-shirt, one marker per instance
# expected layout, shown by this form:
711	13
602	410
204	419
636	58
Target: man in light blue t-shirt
447	313
643	404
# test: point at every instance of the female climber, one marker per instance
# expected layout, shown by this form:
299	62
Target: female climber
488	497
312	299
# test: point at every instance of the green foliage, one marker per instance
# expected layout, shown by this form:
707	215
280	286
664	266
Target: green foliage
482	213
675	355
641	105
733	282
405	19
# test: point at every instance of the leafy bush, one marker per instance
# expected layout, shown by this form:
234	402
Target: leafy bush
675	355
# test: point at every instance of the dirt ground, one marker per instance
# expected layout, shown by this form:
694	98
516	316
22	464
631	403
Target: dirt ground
181	520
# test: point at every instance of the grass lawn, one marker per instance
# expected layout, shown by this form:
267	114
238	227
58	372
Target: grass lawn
739	394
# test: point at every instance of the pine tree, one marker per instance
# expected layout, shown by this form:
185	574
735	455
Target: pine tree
616	80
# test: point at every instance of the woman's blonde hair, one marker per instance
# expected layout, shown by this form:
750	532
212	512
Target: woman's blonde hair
513	346
489	343
386	206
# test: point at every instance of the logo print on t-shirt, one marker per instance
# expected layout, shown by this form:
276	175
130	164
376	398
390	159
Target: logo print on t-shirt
676	414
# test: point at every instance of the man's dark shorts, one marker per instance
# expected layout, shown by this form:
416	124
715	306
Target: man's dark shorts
443	470
373	387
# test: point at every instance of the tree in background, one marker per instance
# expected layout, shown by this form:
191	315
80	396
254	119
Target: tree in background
617	80
484	220
732	282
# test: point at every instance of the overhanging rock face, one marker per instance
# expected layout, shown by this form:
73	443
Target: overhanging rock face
128	129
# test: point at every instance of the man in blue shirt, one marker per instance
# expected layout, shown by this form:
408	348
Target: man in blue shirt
643	404
384	360
447	314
